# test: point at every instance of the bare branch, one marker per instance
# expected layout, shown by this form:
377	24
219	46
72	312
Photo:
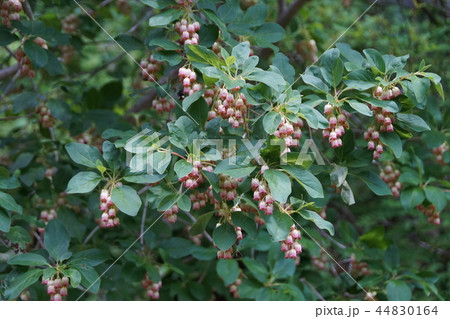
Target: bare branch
27	10
9	71
287	15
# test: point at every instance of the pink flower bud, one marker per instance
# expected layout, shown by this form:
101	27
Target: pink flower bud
289	240
51	289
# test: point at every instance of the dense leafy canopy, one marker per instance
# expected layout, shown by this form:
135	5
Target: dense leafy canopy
226	148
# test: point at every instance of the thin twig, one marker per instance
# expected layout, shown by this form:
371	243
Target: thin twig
16	117
91	234
144	215
334	241
204	232
10	85
27	10
52	135
39	239
303	280
9	71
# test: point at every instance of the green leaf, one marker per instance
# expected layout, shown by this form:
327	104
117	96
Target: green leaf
183	168
53	66
199	111
143	178
391	258
200	54
165	18
9	203
200	225
282	63
375	59
316	82
18	235
393	141
278	225
319	221
269	78
390	106
191	99
83	182
228	270
420	87
37	55
269	32
164	43
178	247
25	101
256	14
6	37
208	34
279	184
414	122
338	175
347	194
180	131
172	57
75	277
436	196
360	107
271	121
246	223
90	257
5	221
56	240
129	42
184	203
412	197
233	169
158	4
307	180
375	238
351	55
84	154
374	182
256	269
89	278
167	202
241	52
126	199
29	259
224	236
22	282
397	290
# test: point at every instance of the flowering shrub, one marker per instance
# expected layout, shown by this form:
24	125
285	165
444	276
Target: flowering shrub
208	170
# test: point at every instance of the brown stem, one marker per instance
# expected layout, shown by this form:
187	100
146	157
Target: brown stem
146	101
27	10
287	15
9	71
306	282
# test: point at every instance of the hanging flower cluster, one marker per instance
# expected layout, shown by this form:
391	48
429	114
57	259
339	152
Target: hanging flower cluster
152	288
109	217
150	69
57	288
290	246
337	120
261	194
231	106
390	177
188	32
431	212
161	104
10	10
189	79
